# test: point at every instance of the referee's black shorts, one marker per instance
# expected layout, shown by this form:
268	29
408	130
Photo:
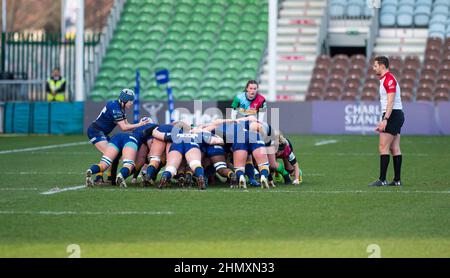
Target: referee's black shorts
395	122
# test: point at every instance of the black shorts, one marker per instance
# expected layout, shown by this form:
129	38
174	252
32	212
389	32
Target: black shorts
395	122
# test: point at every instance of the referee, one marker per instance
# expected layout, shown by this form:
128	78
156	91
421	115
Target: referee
391	123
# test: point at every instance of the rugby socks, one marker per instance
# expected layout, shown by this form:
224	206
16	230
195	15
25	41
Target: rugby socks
136	172
95	169
250	171
397	159
167	175
125	172
199	172
239	172
151	171
264	170
384	163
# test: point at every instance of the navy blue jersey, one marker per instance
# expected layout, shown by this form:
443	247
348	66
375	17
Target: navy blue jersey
239	137
232	132
199	138
109	116
141	136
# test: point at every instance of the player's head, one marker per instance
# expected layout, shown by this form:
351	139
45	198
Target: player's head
380	65
56	72
127	97
251	89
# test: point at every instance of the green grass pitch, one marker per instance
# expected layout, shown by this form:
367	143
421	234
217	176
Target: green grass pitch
332	214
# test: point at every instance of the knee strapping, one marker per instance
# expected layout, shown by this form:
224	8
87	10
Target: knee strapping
106	160
194	164
172	170
220	165
128	162
263	166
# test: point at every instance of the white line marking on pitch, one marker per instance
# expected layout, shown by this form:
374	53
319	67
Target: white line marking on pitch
44	147
59	190
43	173
325	142
18	189
56	213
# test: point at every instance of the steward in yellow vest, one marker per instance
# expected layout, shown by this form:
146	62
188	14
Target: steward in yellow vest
56	86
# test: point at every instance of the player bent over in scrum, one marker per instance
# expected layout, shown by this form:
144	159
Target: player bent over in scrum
188	145
120	142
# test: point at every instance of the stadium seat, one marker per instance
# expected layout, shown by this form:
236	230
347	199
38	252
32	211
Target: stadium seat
405	16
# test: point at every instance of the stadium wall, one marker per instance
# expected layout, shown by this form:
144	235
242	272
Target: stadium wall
43	117
318	117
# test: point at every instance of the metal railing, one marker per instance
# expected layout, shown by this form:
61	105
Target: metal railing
22	90
35	55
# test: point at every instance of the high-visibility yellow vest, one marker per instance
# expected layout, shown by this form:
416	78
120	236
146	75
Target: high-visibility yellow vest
55	85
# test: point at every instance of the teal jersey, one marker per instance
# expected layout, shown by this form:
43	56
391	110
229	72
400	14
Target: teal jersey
246	107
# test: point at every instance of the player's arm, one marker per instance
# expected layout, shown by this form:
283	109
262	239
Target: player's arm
212	139
390	105
390	86
296	174
124	125
262	112
216	140
235	106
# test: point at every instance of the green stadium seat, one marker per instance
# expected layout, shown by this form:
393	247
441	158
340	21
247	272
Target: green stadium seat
203	43
184	95
213	73
194	73
163	17
151	95
227	37
216	64
224	96
182	18
188	91
231	27
216	18
180	64
201	9
209	36
201	54
177	72
178	26
188	44
211	26
197	64
217	9
234	9
191	34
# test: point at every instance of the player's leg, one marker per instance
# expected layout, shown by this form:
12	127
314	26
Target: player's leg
156	151
260	155
101	145
383	147
129	155
221	168
289	169
250	172
109	155
239	160
140	161
174	158
194	158
397	159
